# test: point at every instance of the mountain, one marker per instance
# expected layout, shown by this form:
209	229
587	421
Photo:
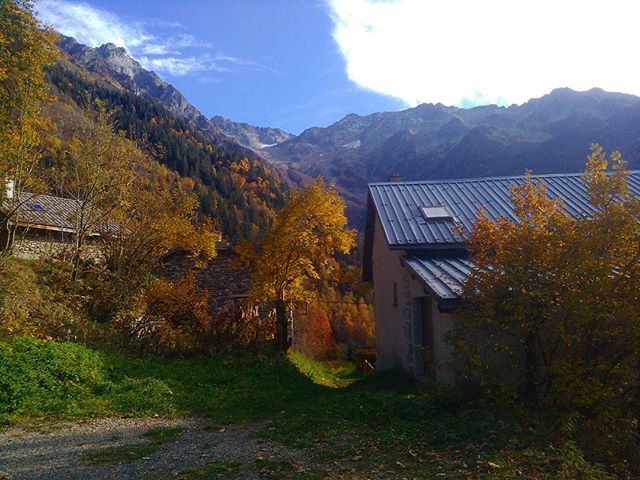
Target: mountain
115	63
256	138
235	186
551	134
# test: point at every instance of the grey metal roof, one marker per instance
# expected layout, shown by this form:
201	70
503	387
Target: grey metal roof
443	275
46	211
398	204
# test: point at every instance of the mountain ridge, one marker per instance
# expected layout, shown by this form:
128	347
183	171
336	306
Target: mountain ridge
549	134
127	73
249	135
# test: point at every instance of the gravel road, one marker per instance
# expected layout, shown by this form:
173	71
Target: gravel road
58	450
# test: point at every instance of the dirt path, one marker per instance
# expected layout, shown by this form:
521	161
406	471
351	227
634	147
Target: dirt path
183	449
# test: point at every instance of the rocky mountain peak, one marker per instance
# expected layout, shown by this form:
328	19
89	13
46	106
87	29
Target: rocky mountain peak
250	136
119	68
119	59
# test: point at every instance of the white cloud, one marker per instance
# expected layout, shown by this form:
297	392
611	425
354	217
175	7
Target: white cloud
470	52
180	66
90	25
161	52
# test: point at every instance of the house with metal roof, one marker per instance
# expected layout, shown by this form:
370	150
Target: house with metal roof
45	225
415	254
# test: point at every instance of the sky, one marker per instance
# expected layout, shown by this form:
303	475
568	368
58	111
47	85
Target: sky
295	64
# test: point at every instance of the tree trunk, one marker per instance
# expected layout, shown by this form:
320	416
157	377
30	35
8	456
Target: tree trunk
531	372
283	337
77	257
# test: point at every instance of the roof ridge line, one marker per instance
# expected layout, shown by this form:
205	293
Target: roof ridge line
476	179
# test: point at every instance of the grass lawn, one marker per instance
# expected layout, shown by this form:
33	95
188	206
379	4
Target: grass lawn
376	427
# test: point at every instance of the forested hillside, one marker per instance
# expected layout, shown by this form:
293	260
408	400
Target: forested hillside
238	192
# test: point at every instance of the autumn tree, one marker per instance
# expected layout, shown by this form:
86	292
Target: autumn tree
308	232
553	305
314	336
150	220
98	168
25	50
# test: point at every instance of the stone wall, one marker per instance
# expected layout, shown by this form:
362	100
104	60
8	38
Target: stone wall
33	243
226	282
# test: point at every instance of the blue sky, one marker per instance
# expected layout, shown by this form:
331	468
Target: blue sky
294	64
264	62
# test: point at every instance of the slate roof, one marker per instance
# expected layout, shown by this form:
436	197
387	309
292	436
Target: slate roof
46	212
397	204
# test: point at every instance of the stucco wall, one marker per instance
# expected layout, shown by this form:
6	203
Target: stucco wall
394	322
395	325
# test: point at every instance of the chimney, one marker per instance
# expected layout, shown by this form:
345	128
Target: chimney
10	189
395	178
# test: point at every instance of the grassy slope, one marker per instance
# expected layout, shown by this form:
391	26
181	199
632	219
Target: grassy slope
379	427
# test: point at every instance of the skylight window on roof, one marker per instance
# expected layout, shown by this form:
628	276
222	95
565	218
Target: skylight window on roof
437	212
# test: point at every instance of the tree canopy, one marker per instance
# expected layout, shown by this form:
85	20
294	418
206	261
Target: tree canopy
553	305
308	232
25	49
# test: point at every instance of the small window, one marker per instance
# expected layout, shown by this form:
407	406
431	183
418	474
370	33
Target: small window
395	294
436	212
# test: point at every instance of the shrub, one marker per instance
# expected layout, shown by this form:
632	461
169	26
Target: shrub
33	303
42	376
552	306
313	336
175	318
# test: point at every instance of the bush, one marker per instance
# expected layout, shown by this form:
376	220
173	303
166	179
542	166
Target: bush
313	336
39	376
32	303
175	318
551	308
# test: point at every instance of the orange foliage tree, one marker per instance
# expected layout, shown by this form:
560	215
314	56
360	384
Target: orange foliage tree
314	336
25	50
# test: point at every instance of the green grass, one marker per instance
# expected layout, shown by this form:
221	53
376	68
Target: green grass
122	453
212	471
162	435
379	427
128	453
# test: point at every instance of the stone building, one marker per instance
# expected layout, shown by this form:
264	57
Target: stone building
226	280
418	262
45	226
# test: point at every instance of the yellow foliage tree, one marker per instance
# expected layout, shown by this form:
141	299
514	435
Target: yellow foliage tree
308	232
25	50
553	305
